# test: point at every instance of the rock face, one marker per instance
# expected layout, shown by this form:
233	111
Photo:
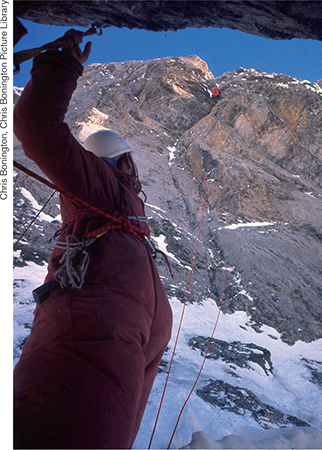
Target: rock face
270	19
269	131
315	369
242	401
264	186
236	353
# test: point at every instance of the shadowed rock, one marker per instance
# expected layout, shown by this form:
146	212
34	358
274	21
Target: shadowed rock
270	19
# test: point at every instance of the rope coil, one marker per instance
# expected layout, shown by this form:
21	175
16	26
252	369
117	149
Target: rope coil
67	276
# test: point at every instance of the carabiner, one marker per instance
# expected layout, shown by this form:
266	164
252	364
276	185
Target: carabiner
93	30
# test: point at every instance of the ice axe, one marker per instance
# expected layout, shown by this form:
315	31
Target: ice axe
64	42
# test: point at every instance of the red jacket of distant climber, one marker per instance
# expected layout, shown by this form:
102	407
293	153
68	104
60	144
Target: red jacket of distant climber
86	371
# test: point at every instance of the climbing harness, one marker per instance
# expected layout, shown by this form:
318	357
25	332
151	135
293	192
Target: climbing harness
65	42
69	277
151	247
115	221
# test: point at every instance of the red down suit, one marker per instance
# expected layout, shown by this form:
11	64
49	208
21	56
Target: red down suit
87	368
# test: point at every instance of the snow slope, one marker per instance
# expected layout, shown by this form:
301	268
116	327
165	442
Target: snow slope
288	389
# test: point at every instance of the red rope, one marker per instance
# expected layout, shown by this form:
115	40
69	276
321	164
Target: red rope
207	351
184	305
115	222
181	320
216	93
84	204
121	223
59	189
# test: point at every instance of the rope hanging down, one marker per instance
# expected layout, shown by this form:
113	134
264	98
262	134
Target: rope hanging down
207	350
33	220
181	320
184	306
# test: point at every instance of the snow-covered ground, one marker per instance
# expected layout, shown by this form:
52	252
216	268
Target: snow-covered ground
288	389
26	279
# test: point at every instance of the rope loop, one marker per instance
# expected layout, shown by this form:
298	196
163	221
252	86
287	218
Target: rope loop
115	221
67	276
73	278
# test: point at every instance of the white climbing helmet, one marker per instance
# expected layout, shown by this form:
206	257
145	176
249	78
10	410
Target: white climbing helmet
106	143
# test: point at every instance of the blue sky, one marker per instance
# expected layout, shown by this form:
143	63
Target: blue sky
222	49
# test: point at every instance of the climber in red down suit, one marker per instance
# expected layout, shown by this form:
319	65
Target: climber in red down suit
86	371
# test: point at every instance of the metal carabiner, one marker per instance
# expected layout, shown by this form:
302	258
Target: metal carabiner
94	30
150	246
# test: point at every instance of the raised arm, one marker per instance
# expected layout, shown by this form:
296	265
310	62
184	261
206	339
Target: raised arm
39	120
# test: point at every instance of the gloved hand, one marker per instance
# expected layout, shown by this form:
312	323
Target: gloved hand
74	38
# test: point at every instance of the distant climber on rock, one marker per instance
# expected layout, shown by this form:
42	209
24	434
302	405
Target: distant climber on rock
216	92
103	321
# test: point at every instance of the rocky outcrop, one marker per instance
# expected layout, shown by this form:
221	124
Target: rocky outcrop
243	401
263	138
315	367
270	19
235	353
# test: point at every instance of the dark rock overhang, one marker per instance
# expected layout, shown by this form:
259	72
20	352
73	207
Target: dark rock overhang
275	19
